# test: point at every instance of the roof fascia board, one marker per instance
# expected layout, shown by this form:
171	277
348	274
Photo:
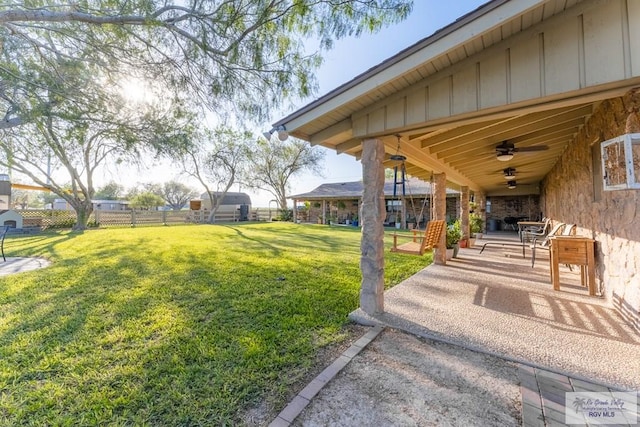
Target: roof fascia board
478	22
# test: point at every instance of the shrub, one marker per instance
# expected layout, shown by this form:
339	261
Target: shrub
475	223
454	233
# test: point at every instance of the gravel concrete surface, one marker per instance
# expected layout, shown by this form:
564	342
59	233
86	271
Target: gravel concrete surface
402	380
496	302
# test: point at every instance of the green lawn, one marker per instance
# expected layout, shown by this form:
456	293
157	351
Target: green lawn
182	325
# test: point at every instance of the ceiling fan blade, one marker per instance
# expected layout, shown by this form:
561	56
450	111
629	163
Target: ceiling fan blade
532	148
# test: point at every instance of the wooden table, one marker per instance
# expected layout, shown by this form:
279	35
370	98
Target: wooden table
573	250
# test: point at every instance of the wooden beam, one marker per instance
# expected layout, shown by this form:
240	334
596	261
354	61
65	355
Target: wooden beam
343	127
348	145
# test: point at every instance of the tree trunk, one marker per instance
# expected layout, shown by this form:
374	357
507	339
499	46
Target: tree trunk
83	211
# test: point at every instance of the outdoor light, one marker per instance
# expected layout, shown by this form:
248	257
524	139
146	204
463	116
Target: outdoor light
282	133
511	185
509	173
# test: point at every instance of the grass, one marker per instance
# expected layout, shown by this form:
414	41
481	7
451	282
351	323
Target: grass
183	325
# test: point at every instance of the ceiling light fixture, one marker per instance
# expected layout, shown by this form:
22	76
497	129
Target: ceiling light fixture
509	173
504	151
504	157
282	133
511	185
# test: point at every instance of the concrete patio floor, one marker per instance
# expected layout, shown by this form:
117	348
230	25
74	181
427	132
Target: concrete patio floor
491	311
495	302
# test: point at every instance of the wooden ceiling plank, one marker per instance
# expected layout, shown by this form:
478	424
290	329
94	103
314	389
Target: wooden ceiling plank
434	138
489	151
520	127
477	134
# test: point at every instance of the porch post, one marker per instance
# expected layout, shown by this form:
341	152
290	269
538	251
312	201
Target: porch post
481	201
464	212
440	212
373	212
295	211
324	211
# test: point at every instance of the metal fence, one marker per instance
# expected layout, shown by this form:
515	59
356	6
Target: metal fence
43	219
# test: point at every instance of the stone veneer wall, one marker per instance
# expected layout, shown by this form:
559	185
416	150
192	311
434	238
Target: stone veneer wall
572	193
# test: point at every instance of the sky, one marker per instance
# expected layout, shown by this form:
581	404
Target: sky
349	58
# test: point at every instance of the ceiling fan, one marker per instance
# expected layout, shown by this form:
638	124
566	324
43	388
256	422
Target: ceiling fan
513	184
505	150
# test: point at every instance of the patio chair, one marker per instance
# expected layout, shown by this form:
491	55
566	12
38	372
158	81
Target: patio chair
528	234
420	244
504	244
567	230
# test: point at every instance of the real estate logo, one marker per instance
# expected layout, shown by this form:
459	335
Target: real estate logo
601	408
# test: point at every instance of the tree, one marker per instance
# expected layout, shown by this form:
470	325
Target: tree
177	194
146	201
110	191
78	138
273	164
64	67
47	198
219	160
222	51
21	198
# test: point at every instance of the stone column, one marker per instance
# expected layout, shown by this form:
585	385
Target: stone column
464	212
373	212
324	212
440	211
295	211
481	201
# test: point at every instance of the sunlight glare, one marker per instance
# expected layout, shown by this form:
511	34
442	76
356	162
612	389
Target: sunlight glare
136	90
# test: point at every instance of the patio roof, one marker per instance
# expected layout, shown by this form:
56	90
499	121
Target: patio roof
530	72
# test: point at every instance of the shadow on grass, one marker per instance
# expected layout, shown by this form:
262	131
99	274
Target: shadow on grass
164	331
41	244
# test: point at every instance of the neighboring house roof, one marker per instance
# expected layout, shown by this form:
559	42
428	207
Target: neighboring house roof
353	190
231	198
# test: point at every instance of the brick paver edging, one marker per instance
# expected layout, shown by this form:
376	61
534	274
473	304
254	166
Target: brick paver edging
297	405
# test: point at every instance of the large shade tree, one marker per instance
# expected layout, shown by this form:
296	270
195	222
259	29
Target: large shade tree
177	194
218	160
62	146
110	191
61	62
242	55
272	165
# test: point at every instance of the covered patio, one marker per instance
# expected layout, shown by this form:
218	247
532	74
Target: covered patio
518	97
496	303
